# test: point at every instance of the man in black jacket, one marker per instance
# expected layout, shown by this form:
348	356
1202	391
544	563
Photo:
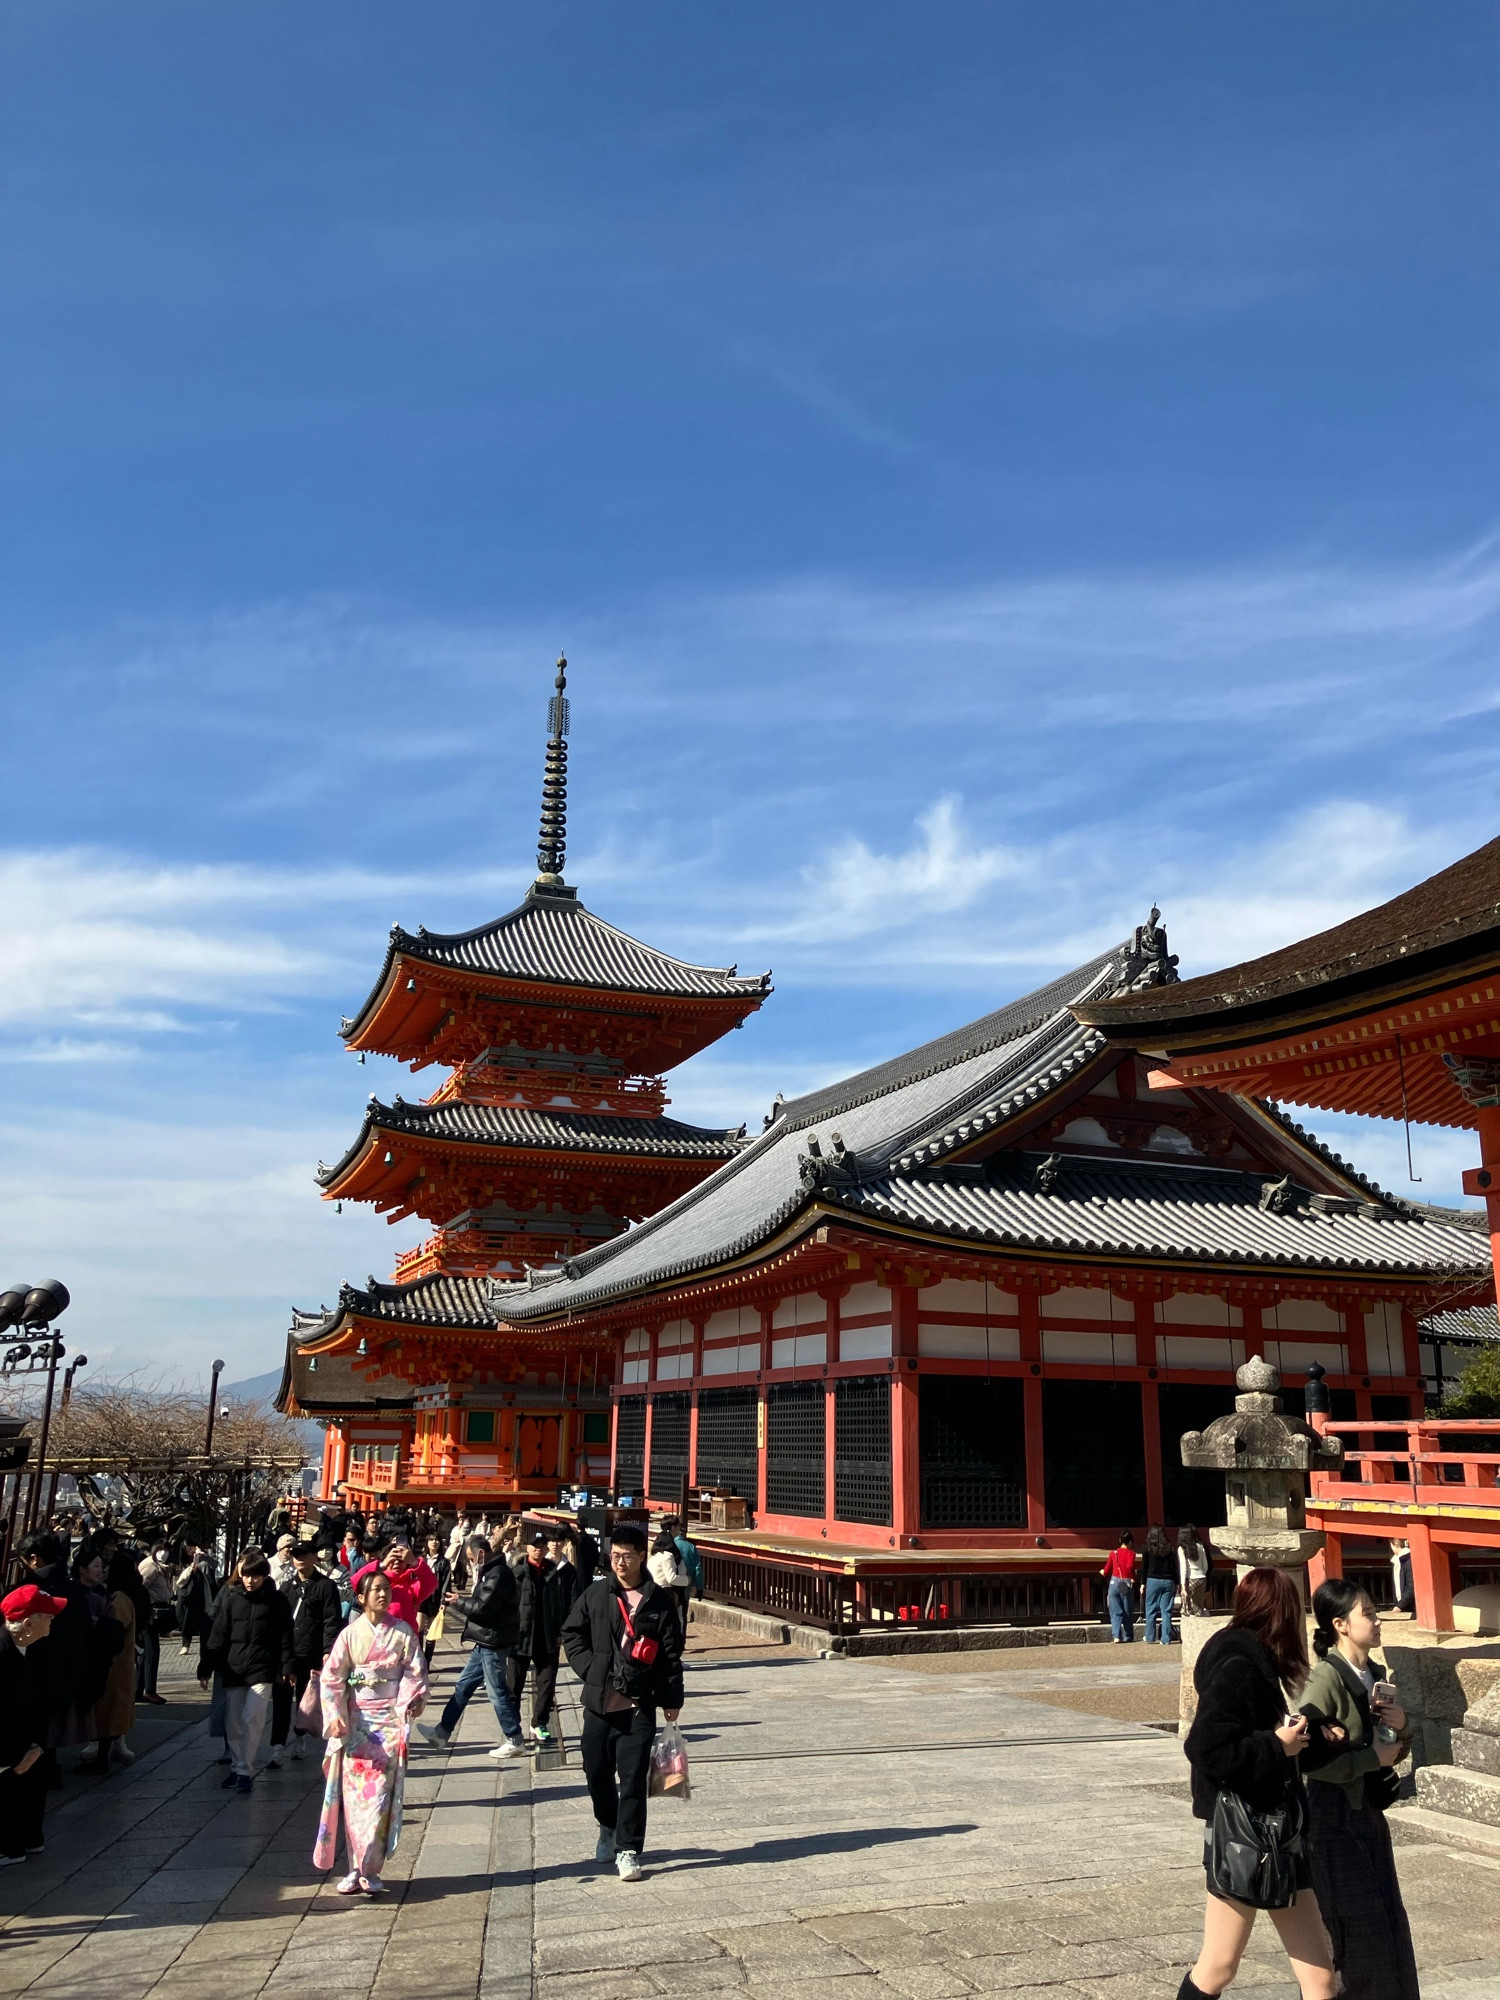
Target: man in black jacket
317	1616
624	1641
249	1646
491	1625
543	1600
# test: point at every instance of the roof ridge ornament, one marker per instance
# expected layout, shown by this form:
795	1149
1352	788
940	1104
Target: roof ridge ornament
552	839
1147	960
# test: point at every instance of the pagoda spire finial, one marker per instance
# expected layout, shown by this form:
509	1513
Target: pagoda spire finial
553	839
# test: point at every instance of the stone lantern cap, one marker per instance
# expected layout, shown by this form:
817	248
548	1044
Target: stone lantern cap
1259	1436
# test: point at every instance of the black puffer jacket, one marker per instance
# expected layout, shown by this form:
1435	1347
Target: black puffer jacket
317	1616
594	1637
250	1640
1232	1744
489	1610
544	1598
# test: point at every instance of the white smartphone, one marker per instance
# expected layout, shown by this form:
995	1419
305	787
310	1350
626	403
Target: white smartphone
1383	1693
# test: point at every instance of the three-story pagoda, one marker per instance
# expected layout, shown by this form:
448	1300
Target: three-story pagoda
546	1137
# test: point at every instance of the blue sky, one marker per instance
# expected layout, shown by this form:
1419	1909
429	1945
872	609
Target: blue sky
989	467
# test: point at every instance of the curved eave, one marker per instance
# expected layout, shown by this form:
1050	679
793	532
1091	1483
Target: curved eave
407	1025
361	1176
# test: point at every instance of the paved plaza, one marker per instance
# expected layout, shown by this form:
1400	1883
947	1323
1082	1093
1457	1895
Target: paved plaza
857	1830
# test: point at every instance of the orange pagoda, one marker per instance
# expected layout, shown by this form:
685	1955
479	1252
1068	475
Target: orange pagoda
546	1137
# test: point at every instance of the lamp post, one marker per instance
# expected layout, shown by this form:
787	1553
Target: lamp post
78	1361
39	1306
213	1409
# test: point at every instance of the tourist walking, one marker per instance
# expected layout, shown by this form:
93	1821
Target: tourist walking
28	1613
624	1641
317	1619
157	1580
667	1568
1119	1569
1159	1569
430	1613
249	1646
1242	1744
282	1567
113	1715
543	1601
491	1627
374	1684
1192	1571
1353	1868
101	1643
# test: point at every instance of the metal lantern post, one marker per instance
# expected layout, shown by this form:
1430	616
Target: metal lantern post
213	1410
78	1361
42	1305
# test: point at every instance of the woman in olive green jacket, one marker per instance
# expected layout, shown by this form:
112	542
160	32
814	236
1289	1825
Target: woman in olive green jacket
1351	1781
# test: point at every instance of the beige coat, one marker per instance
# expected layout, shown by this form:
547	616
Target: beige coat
114	1711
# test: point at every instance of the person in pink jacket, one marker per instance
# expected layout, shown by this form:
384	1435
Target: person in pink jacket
411	1581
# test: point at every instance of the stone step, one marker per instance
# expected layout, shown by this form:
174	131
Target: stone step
1475	1750
1416	1826
1468	1795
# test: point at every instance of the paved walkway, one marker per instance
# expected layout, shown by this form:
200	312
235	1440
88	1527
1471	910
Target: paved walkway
855	1831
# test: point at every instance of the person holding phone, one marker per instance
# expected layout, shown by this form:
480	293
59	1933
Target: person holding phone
1352	1780
1243	1740
623	1639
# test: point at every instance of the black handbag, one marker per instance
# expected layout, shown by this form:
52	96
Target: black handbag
1255	1857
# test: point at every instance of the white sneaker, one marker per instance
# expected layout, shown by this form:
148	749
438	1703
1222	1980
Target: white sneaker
604	1848
299	1750
123	1754
273	1762
435	1733
628	1867
504	1752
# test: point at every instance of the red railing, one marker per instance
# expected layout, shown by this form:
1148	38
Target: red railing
1429	1461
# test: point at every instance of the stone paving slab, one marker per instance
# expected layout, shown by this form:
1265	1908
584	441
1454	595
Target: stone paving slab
1038	1850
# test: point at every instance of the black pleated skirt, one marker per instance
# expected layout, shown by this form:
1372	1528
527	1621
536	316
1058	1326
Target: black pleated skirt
1354	1875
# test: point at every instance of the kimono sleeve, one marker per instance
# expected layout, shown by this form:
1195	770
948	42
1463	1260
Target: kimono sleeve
413	1692
334	1684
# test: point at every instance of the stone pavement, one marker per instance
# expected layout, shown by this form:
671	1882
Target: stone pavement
855	1831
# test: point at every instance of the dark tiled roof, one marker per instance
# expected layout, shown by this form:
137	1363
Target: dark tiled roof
1465	1326
328	1381
556	940
549	1130
880	1135
439	1299
1101	1208
1447	920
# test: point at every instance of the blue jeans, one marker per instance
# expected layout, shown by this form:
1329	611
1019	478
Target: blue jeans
1160	1590
487	1664
1122	1609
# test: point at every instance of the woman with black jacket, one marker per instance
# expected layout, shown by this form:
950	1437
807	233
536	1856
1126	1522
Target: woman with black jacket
1242	1742
249	1646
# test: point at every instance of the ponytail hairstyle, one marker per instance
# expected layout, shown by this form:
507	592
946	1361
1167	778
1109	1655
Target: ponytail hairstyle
1269	1605
1335	1599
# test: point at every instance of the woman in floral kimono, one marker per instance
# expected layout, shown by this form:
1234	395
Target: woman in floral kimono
374	1683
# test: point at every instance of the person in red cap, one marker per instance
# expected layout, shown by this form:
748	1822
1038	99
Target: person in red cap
28	1614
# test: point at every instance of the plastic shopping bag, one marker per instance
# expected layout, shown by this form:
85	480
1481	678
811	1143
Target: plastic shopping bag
310	1708
669	1764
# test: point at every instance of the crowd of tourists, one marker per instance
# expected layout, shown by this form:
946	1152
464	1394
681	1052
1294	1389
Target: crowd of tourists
323	1638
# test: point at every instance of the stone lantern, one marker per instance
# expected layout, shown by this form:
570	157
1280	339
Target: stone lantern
1265	1457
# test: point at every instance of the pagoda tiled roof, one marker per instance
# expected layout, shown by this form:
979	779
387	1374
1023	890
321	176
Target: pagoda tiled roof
438	1300
1464	1326
550	1129
555	939
876	1145
327	1384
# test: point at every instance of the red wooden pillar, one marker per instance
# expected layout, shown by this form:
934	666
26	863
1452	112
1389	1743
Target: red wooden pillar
1031	1389
1431	1577
1327	1564
906	1431
1487	1181
1156	1505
